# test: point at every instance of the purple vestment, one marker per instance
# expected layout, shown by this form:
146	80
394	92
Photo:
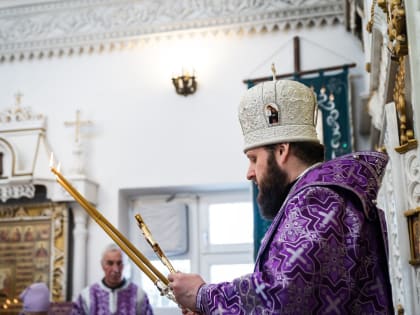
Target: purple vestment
98	299
324	253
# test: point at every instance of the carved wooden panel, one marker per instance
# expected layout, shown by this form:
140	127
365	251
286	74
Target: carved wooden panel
33	248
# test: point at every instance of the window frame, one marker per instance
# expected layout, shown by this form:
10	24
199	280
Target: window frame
201	254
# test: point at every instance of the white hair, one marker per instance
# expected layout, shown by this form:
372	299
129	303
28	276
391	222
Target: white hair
111	248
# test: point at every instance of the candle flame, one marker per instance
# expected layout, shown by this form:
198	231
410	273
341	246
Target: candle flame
58	166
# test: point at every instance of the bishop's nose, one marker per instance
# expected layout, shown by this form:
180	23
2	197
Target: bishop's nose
250	175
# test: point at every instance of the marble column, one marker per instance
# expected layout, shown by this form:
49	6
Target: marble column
79	248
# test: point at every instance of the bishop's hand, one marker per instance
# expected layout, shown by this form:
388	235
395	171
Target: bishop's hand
185	287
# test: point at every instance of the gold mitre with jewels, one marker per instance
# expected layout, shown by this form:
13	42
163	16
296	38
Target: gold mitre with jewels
278	111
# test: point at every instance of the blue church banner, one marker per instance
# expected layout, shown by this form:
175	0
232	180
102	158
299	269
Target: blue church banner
333	102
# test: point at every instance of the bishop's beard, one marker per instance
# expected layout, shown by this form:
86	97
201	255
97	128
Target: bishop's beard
273	189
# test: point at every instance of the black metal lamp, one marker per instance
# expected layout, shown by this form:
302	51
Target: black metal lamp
185	84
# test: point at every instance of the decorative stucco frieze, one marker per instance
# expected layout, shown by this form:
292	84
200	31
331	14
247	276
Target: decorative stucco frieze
47	29
16	191
18	114
20	117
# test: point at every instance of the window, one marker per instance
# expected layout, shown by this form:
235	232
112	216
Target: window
220	273
230	223
226	226
219	237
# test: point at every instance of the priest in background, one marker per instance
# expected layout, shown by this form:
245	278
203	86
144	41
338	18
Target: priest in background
114	294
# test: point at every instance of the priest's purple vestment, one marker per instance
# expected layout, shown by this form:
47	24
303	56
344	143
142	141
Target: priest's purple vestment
325	251
98	299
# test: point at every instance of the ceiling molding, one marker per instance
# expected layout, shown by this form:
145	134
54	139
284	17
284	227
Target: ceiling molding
76	26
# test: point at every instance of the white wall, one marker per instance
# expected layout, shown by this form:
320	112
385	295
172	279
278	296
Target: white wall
143	133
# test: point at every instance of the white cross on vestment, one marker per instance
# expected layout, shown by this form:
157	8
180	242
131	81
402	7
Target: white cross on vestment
328	217
259	289
333	305
296	255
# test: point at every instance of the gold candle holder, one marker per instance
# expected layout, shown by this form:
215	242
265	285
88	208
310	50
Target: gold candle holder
160	281
155	246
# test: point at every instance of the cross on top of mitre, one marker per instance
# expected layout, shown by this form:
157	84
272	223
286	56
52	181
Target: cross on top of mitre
273	71
78	123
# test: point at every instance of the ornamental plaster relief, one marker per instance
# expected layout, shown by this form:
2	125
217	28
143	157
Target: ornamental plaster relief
379	22
377	101
60	27
387	197
19	114
412	176
17	191
389	203
398	193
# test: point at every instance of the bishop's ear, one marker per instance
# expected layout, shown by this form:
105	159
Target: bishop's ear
283	151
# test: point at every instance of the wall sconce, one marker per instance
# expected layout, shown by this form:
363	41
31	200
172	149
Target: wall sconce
185	84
